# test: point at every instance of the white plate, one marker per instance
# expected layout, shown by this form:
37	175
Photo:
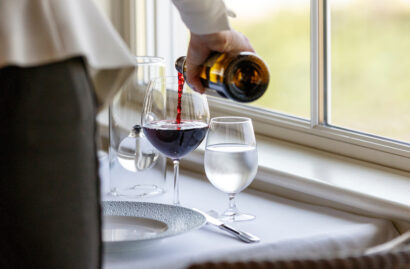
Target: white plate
130	225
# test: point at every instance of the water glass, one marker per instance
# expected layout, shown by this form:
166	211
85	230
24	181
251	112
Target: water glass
231	160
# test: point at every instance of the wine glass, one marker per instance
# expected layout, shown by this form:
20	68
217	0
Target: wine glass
231	160
175	120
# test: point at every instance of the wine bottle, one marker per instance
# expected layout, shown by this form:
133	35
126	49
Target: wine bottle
243	76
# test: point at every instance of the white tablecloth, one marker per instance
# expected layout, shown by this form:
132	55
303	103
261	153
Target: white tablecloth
287	229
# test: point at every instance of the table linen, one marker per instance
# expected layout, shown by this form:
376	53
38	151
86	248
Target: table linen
288	230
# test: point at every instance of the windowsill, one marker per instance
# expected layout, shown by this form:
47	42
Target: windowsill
315	176
319	177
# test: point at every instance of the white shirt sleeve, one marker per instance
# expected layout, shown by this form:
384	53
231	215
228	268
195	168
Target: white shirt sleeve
203	16
45	31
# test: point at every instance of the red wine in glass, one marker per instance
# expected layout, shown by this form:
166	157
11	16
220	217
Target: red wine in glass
175	122
175	140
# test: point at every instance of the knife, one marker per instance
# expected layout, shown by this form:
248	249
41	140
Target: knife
245	237
396	242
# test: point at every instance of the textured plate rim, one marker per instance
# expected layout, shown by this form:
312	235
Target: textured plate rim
168	233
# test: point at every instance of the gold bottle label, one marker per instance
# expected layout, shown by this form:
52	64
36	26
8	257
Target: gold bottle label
213	71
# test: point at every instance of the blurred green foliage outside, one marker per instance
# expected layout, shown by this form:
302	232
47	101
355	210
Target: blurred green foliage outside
370	65
283	41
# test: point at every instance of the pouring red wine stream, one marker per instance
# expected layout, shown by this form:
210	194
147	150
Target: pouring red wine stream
180	91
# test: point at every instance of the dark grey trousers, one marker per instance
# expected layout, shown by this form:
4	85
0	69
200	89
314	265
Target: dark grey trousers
49	193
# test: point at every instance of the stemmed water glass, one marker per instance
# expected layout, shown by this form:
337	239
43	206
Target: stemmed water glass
231	160
175	120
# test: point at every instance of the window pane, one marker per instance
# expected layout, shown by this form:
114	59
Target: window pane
370	58
279	32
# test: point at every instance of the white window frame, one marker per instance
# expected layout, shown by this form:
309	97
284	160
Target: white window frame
163	37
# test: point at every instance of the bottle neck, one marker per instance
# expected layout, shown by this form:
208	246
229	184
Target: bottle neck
180	65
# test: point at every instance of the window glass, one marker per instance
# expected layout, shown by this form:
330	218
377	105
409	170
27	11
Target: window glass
279	32
370	66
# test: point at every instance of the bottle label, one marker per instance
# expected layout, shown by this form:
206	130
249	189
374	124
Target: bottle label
214	68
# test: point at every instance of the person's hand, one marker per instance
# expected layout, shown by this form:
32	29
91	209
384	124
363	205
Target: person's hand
201	46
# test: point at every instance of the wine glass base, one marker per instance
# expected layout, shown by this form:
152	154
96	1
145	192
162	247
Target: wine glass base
234	216
212	213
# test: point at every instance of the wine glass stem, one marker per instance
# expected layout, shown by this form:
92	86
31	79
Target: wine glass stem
232	204
176	182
